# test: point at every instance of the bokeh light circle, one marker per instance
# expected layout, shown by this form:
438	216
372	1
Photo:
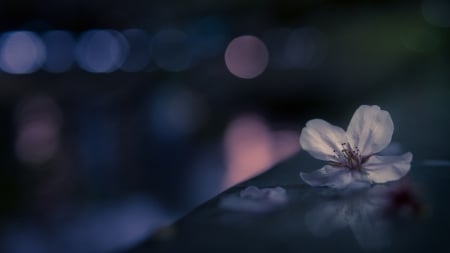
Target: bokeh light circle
101	51
139	50
60	51
246	57
305	47
21	52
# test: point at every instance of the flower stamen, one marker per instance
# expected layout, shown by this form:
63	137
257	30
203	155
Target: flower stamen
348	157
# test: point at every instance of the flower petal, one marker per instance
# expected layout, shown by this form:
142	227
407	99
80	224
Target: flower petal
328	175
370	129
275	195
381	169
254	199
319	138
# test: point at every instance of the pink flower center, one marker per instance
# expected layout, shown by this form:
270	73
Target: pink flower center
349	157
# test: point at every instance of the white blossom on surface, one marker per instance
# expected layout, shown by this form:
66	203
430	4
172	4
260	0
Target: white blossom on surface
256	200
352	154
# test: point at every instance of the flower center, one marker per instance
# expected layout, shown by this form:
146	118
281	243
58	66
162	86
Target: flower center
348	157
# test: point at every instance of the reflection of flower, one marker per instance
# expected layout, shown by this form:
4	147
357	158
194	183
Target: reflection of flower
351	153
254	199
361	210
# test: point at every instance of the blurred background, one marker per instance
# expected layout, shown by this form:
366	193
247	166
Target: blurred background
117	118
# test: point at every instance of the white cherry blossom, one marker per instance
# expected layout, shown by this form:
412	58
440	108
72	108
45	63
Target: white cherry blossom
352	154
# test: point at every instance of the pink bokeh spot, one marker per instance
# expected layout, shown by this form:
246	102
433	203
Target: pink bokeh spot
246	57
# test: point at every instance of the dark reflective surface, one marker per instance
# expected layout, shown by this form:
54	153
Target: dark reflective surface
404	216
369	212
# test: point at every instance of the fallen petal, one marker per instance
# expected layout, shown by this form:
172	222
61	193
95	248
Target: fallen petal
256	200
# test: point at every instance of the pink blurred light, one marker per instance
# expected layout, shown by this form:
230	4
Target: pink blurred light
251	148
286	143
37	141
38	134
246	57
